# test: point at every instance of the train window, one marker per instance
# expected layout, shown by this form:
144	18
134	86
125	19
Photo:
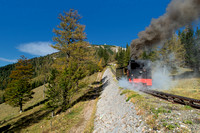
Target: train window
134	65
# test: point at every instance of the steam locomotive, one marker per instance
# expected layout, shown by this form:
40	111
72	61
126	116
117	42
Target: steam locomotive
137	72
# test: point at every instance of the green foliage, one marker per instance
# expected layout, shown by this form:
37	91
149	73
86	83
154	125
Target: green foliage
191	44
92	67
78	62
151	55
178	51
19	90
127	55
131	96
53	91
103	53
40	65
36	83
69	31
4	75
187	122
120	57
158	111
187	107
165	124
170	126
123	56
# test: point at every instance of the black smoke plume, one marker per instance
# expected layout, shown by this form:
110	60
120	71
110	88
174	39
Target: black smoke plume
179	13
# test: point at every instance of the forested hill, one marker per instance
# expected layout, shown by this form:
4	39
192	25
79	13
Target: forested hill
42	65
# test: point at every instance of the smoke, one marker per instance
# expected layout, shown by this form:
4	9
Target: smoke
179	13
125	84
161	79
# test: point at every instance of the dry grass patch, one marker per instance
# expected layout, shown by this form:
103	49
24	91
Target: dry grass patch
90	125
189	87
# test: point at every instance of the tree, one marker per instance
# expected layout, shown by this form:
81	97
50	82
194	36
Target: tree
172	53
54	99
103	53
19	90
191	44
127	55
69	40
120	57
69	32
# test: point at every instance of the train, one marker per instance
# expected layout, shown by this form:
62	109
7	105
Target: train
137	72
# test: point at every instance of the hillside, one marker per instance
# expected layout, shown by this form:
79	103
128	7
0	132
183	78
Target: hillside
36	118
43	64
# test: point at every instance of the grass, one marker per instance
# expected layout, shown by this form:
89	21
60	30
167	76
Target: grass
37	119
188	85
187	107
60	123
170	126
7	112
90	125
187	121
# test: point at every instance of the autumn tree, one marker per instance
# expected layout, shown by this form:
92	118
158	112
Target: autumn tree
68	32
19	90
69	40
172	53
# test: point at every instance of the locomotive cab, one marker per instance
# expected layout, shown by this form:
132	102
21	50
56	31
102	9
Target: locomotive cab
139	72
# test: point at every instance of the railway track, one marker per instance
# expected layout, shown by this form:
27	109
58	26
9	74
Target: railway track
195	103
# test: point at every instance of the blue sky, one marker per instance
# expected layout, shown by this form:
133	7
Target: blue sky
26	25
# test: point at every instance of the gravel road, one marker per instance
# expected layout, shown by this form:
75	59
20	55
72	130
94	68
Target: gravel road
114	114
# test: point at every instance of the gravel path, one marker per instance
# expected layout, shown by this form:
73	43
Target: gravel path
114	114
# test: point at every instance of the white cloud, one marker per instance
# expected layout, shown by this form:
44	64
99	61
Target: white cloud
8	60
37	48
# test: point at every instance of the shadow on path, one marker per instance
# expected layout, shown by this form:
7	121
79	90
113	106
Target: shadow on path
25	121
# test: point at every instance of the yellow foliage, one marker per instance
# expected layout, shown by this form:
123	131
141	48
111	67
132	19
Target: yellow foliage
100	65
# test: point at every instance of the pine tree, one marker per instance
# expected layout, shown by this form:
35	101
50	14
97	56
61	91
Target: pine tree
54	99
69	31
172	53
69	40
190	41
127	55
120	57
19	90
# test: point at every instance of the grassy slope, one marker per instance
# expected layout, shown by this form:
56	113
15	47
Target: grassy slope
7	112
189	87
37	119
150	107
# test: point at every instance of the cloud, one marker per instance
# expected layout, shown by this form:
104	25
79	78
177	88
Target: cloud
8	60
37	48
